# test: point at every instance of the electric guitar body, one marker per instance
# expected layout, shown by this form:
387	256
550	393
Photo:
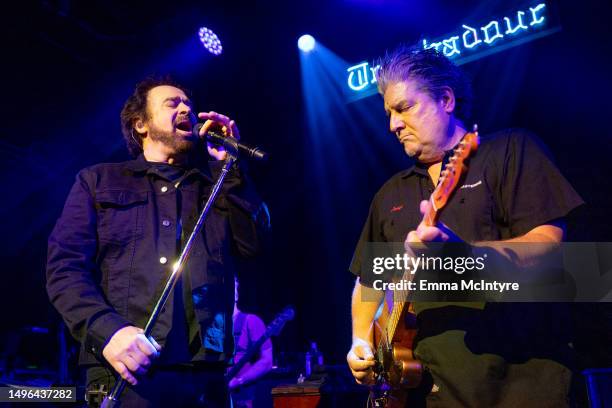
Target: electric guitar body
395	358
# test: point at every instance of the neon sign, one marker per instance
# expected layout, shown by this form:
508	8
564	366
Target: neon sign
470	42
488	34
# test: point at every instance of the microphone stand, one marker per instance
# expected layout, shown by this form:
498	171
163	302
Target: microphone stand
231	147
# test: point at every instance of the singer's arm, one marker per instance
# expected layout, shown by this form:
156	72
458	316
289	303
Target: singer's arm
71	270
73	285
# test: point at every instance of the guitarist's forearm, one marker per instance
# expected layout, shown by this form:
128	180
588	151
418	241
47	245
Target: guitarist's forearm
364	305
545	240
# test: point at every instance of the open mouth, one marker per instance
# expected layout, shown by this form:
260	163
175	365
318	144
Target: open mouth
185	125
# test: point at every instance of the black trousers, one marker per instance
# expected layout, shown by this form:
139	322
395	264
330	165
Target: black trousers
177	386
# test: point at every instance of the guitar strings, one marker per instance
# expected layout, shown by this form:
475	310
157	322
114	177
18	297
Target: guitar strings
400	297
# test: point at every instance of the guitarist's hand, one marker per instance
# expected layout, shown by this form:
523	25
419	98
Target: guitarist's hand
361	361
424	233
235	382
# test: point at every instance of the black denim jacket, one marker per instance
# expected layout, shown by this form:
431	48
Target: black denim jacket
113	246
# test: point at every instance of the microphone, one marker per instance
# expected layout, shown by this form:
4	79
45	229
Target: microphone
230	143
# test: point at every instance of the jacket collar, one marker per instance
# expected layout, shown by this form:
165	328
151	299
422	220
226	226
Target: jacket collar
138	165
141	165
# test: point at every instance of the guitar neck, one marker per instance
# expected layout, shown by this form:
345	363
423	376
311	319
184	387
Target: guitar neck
449	177
400	297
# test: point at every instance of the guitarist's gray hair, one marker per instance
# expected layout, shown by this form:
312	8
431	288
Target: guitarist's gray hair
434	71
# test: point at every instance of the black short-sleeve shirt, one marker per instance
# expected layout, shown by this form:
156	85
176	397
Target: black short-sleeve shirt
511	186
495	354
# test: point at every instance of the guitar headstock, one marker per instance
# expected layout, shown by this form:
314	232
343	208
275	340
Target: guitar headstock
450	175
283	317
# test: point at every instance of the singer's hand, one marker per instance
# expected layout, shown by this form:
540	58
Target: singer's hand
129	352
216	121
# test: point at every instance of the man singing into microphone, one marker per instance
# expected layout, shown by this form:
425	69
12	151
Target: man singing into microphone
124	225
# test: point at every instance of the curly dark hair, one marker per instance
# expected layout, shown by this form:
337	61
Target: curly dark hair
135	108
434	70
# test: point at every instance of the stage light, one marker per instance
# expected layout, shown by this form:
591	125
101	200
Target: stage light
210	41
306	43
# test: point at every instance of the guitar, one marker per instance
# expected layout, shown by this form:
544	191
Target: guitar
274	329
396	369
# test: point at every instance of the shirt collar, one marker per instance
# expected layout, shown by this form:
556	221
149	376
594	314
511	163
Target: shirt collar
417	168
421	169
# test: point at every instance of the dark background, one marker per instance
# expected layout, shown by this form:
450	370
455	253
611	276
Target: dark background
68	66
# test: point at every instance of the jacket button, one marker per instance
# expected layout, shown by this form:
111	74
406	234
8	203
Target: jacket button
163	260
166	223
164	189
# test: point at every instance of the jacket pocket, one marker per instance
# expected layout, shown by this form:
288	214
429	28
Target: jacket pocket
120	215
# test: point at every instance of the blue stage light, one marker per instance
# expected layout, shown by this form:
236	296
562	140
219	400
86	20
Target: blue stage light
306	43
210	41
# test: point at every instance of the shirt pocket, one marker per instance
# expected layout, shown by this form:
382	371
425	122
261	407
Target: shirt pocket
469	212
120	216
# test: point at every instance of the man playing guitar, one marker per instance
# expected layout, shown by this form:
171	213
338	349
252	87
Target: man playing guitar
248	328
511	193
